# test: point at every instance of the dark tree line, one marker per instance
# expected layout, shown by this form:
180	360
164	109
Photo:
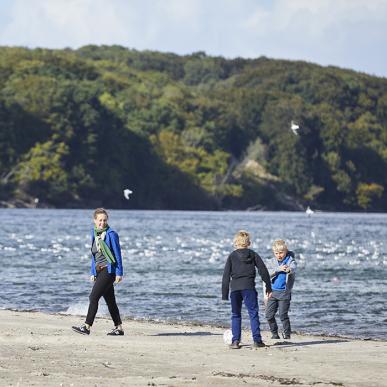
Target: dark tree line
188	132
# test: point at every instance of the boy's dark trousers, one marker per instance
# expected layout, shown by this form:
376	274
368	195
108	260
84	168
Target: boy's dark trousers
249	297
103	287
278	301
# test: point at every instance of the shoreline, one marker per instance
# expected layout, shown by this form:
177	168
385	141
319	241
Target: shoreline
195	324
6	206
41	349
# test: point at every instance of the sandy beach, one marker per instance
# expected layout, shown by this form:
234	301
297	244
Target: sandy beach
42	350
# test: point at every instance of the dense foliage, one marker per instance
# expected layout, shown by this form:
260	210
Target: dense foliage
188	132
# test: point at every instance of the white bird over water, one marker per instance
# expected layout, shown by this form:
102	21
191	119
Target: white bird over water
127	192
309	211
294	127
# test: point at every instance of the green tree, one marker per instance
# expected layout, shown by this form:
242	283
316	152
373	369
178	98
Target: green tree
368	193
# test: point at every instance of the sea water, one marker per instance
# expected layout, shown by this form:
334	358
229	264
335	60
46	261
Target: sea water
174	260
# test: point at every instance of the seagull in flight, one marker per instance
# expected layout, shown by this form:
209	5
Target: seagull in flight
309	211
294	127
127	192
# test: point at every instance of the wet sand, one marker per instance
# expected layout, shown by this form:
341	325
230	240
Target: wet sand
39	349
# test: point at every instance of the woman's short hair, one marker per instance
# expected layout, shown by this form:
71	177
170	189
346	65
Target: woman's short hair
242	239
98	211
279	245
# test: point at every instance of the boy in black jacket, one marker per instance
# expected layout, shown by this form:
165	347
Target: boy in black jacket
240	267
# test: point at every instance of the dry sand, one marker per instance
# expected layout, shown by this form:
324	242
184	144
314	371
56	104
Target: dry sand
41	349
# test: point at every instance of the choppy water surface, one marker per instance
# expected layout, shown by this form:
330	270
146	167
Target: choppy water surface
173	264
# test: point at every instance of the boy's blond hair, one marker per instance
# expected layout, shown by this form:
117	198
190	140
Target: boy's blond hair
279	245
242	239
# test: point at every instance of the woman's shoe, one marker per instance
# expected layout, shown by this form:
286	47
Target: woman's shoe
82	330
116	332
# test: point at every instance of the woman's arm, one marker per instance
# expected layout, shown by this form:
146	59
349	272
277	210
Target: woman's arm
115	243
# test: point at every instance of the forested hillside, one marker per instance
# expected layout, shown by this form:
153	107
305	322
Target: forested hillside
188	132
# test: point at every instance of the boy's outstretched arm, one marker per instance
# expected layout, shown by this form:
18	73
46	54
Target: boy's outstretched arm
226	279
263	273
272	269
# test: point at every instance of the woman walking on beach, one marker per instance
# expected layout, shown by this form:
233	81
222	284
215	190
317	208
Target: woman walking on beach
106	269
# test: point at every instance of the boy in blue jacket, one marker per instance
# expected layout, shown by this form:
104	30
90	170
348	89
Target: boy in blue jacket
241	268
282	271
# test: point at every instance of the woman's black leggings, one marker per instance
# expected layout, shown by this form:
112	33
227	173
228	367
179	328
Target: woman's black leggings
103	287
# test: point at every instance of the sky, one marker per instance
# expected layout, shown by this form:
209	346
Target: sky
345	33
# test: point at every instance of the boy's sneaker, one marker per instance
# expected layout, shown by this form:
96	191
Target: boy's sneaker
116	332
259	344
235	345
82	330
275	336
286	336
